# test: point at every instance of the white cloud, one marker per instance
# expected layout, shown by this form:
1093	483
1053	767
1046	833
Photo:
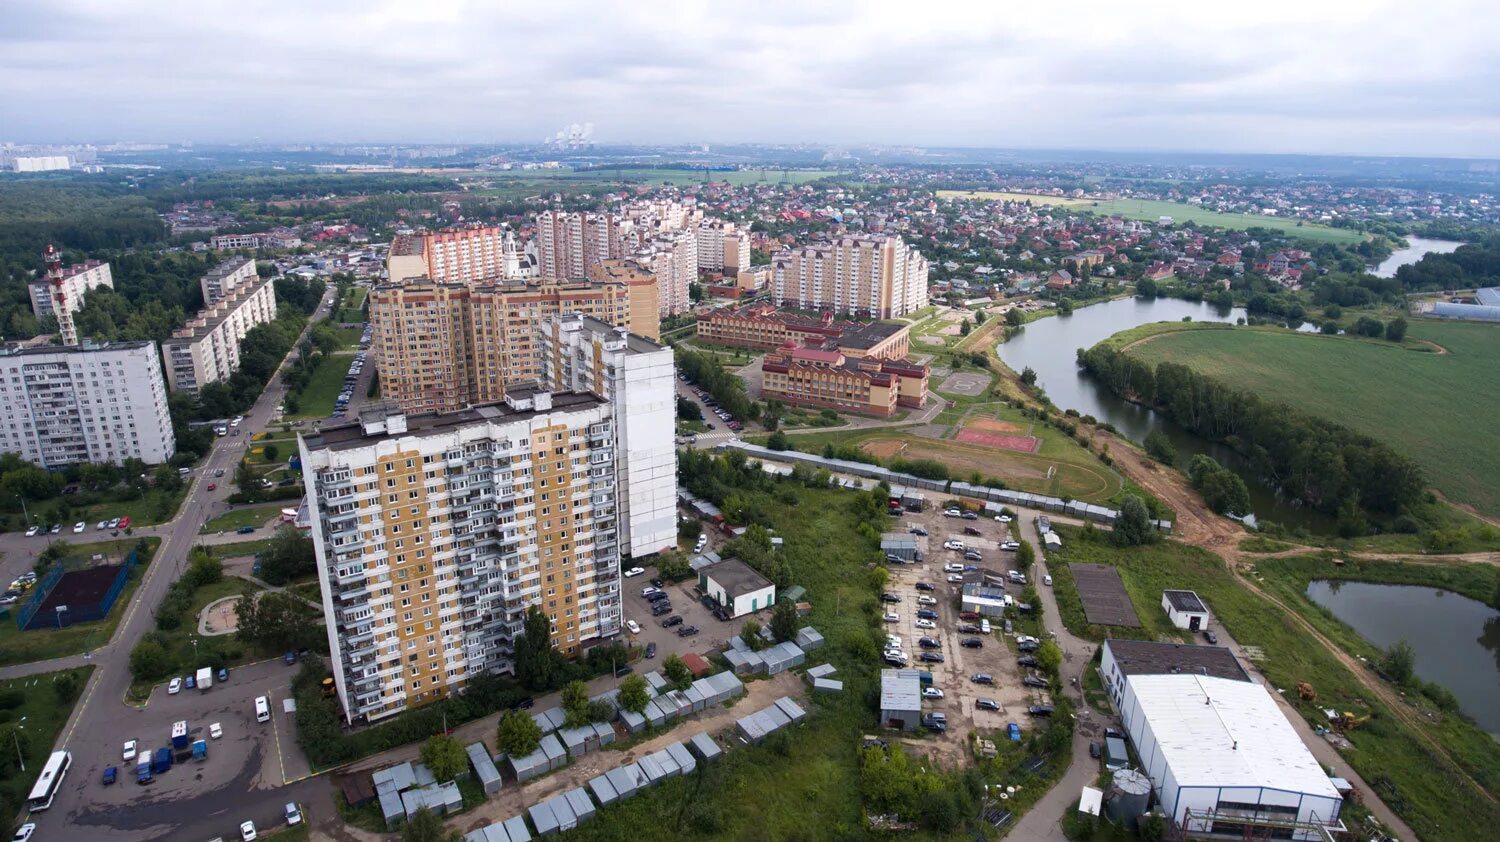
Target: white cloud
1281	76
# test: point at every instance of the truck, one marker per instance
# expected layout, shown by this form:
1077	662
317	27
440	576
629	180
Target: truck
180	739
205	679
200	750
162	761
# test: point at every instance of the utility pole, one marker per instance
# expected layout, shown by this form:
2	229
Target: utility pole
17	740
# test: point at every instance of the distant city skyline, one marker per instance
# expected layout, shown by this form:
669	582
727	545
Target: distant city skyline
1298	78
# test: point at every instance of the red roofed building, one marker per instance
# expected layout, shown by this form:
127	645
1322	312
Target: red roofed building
829	378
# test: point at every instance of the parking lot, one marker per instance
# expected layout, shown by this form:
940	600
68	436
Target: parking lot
996	658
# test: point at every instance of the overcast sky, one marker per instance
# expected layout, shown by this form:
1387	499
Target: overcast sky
1315	76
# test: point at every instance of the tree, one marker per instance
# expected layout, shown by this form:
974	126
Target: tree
274	621
1399	662
601	711
1160	446
445	756
166	478
149	661
1028	376
1049	657
676	671
518	734
575	703
1025	554
536	661
964	327
1014	317
1395	329
633	695
779	441
750	633
1133	526
272	452
290	556
1064	307
1367	326
784	621
425	826
979	317
695	292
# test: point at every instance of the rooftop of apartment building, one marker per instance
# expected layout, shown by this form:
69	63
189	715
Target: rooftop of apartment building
85	347
214	315
408	244
498	285
229	267
634	343
841	334
520	404
75	269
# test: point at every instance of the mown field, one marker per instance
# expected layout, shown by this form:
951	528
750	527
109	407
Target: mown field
1433	795
1150	210
1441	410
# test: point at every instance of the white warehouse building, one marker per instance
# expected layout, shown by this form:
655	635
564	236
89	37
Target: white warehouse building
1220	755
737	587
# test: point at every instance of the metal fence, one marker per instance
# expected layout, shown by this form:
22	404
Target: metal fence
77	612
39	595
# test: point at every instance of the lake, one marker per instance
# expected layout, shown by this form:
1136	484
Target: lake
1456	639
1417	246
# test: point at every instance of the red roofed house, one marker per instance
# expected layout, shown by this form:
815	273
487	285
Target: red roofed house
829	378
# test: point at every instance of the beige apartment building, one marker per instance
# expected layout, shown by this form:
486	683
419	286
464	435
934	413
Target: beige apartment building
468	255
60	293
570	244
435	532
673	259
440	347
875	277
723	247
207	348
228	276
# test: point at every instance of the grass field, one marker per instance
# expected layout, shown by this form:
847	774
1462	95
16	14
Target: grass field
317	399
249	516
1422	786
1442	410
45	706
1151	210
18	647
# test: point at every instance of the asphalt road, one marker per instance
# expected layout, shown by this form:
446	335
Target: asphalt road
244	783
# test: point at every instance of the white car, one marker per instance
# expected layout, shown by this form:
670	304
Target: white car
955	577
649	590
892	617
24	832
931	693
893	641
952	513
247	831
31	533
635	628
953	545
953	567
1002	518
101	525
215	731
129	752
1047	579
79	527
174	687
293	813
634	571
1010	546
925	624
924	599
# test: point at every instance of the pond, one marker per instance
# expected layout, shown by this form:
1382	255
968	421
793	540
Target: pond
1415	248
1456	639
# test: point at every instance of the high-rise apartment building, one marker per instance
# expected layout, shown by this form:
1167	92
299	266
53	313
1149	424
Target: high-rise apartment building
207	348
877	277
468	255
90	403
435	532
570	244
441	347
60	293
225	278
642	288
723	247
637	378
673	258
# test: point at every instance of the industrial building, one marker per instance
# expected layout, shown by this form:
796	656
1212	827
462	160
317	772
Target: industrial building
737	587
901	699
1220	756
1185	610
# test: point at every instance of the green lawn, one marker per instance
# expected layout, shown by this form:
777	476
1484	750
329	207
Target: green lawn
1421	785
153	507
249	516
188	650
1441	410
323	387
45	706
18	647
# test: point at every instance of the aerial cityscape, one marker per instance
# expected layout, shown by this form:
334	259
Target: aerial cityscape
474	423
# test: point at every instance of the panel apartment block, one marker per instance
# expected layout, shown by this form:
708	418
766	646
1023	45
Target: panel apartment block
224	279
207	348
636	376
876	277
60	293
468	255
435	532
91	403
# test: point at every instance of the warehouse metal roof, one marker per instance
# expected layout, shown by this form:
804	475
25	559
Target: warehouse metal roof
900	690
1221	732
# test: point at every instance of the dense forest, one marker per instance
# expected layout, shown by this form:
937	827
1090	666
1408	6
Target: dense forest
1472	265
1317	461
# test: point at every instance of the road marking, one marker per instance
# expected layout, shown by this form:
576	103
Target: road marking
94	680
276	736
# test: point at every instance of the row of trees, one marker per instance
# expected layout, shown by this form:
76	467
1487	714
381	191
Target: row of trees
727	390
1317	461
1476	264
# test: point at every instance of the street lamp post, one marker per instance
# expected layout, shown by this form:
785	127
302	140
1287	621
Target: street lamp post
17	739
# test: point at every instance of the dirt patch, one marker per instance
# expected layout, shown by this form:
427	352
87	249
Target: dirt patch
883	448
994	425
1022	444
219	617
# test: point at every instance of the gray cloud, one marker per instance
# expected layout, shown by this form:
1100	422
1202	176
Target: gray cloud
1297	77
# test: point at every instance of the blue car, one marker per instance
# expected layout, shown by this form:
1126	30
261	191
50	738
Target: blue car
223	674
1015	732
109	775
191	682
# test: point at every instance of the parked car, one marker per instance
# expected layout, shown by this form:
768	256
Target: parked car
932	693
1034	681
650	651
1040	710
215	731
895	659
31	533
24	832
1002	518
101	526
972	643
931	657
174	687
968	628
917	530
971	530
213	486
924	599
247	832
1212	638
1028	646
952	513
925	586
647	591
952	544
935	722
924	624
953	567
687	631
1094	751
986	704
634	571
659	596
1010	546
930	643
633	626
661	608
114	524
129	752
110	773
927	614
1014	731
191	682
982	678
1026	661
674	620
968	515
956	578
892	617
889	597
623	670
245	530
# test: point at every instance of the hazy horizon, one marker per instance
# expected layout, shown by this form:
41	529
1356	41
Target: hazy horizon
1378	80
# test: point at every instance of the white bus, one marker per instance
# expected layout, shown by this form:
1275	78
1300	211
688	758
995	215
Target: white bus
51	778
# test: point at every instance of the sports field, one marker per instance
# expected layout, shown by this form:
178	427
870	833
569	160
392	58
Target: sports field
1440	409
1151	210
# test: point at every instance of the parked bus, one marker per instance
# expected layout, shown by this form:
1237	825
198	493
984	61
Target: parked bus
51	778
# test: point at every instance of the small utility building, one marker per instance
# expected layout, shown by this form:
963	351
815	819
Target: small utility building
901	699
1185	609
737	587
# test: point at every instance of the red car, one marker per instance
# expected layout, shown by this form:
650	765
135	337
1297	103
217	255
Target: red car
968	615
124	522
213	486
